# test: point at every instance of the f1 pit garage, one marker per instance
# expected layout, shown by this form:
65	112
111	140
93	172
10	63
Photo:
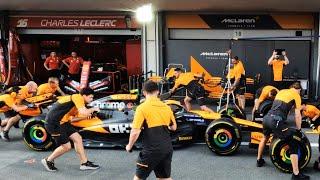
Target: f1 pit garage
203	38
160	89
111	43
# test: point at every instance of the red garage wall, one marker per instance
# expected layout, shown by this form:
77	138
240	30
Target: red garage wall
133	56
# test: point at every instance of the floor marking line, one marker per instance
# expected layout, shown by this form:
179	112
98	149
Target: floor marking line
247	143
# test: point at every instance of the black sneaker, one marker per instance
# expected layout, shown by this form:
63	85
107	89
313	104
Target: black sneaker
260	162
300	176
5	136
16	125
88	166
48	165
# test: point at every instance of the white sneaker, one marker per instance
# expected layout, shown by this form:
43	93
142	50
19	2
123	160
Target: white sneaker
88	166
2	135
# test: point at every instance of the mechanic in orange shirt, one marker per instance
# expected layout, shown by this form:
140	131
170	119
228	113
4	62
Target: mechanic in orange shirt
73	63
25	92
238	80
313	113
277	66
53	65
51	87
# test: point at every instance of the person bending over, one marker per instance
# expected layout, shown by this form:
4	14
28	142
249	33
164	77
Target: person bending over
276	122
194	89
262	94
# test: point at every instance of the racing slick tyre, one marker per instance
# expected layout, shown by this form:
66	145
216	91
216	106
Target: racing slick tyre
36	136
264	107
280	156
233	111
223	136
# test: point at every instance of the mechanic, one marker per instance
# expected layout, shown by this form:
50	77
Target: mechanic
276	122
262	94
51	87
73	63
277	67
238	80
25	92
53	65
313	113
9	107
59	126
194	89
153	118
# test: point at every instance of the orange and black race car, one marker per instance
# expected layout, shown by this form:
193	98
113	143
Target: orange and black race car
108	128
221	132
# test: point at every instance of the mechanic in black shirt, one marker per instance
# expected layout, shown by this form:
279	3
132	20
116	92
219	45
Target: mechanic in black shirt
154	119
276	122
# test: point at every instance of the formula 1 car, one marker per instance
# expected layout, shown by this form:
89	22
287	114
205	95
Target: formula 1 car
222	133
108	128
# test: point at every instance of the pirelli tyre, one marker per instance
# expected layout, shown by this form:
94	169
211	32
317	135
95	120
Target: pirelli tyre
264	107
280	156
233	111
223	136
35	135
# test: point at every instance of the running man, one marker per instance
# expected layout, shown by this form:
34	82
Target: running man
154	119
59	126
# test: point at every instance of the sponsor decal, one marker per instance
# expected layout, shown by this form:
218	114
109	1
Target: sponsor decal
120	128
185	138
195	120
113	105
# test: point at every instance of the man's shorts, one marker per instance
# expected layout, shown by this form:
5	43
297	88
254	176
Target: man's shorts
10	113
66	130
276	125
258	93
149	161
196	91
241	87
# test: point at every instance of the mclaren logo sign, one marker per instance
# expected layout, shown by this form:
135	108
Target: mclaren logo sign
239	21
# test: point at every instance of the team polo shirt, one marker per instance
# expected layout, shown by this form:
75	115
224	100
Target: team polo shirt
277	66
52	62
184	79
265	93
7	101
74	64
64	108
284	101
23	94
45	89
311	111
154	117
237	71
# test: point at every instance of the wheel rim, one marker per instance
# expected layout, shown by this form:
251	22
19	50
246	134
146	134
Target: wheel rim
285	155
38	134
222	138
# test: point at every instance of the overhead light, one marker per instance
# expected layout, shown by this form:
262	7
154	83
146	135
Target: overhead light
144	13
